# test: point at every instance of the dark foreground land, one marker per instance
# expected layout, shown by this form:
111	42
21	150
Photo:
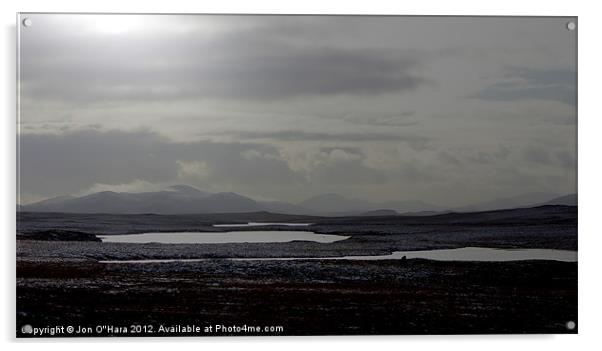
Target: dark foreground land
62	283
305	297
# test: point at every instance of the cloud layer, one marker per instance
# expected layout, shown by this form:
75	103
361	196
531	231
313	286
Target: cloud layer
446	110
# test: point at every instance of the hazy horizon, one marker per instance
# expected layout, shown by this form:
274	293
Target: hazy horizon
529	198
446	110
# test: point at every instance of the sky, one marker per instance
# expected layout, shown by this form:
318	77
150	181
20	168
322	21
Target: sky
447	110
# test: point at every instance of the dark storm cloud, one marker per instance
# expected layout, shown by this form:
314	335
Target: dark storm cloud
550	157
567	159
349	150
346	172
244	64
447	158
483	158
537	154
415	141
416	172
344	166
525	83
72	162
388	107
398	120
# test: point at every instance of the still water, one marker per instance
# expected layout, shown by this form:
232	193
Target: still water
481	254
256	236
259	224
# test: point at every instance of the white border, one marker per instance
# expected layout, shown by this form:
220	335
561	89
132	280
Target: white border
590	195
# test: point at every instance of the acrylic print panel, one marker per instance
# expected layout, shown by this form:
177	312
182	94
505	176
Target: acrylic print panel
233	175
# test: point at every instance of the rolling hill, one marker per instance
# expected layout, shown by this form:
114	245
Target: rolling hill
185	199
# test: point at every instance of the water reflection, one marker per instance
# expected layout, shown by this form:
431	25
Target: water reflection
259	224
256	236
481	254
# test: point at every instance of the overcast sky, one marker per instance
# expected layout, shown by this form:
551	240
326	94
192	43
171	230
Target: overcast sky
441	109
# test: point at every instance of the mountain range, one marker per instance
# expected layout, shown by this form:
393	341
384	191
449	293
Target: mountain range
183	199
